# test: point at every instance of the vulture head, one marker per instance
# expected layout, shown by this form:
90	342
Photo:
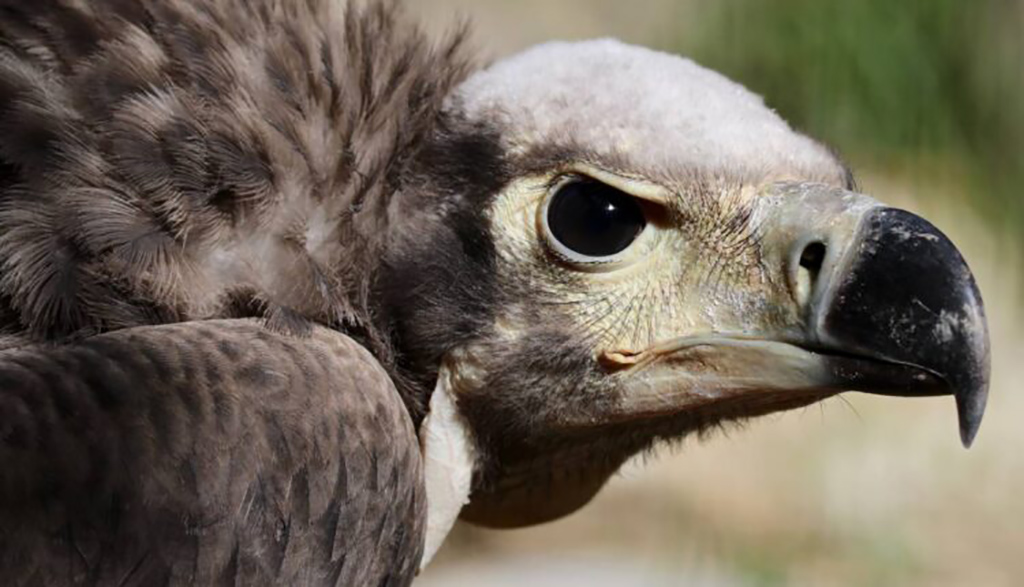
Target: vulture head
603	247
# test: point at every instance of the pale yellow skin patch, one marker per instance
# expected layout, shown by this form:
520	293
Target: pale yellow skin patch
680	277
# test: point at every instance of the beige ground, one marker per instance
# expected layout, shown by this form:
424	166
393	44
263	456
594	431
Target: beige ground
857	491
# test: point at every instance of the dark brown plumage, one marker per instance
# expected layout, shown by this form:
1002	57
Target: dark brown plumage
167	161
164	160
212	453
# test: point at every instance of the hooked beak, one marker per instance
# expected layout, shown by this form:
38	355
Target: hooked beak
889	307
903	294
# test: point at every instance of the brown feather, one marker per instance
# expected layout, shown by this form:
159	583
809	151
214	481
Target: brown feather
157	156
183	161
209	453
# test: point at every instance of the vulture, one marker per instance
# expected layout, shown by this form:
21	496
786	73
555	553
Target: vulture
288	286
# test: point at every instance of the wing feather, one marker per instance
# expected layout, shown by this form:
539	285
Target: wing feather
206	453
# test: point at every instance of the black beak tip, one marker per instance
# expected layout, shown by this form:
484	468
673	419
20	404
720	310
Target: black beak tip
970	407
909	297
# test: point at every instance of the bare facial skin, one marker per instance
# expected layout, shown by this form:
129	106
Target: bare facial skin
735	296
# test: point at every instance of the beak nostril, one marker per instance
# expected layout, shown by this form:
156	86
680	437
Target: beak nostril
813	257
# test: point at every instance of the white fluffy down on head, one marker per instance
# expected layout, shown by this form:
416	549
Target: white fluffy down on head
655	108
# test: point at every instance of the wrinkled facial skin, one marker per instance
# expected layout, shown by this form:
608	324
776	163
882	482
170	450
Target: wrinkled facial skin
544	397
698	267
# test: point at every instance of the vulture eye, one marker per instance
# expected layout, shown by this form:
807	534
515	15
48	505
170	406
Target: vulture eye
592	221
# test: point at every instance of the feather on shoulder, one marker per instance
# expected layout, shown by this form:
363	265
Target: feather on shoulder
168	160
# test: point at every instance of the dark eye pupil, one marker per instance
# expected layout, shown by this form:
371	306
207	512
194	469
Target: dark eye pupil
594	219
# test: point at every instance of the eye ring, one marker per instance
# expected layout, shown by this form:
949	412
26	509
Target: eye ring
591	224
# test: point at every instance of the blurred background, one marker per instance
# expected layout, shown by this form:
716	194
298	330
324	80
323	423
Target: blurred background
925	100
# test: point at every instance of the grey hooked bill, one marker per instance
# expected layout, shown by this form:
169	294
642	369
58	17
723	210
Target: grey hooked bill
907	297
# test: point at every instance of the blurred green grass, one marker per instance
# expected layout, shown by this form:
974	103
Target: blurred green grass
932	88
